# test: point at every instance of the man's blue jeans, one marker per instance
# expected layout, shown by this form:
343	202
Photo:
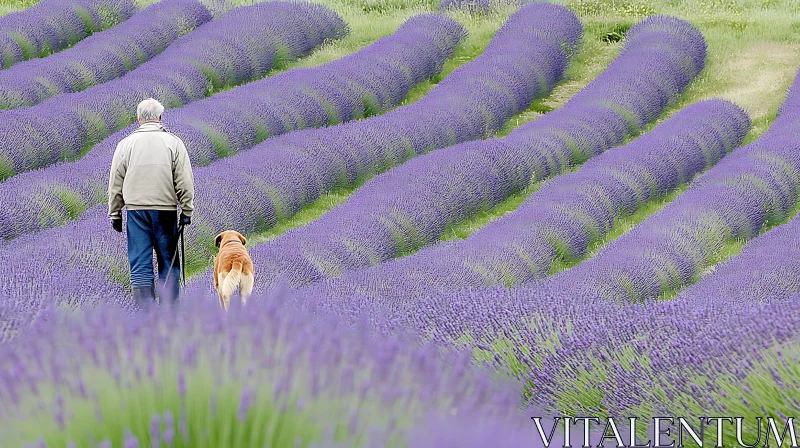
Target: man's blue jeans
148	230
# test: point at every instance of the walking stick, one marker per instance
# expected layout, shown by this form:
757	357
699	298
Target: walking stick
183	259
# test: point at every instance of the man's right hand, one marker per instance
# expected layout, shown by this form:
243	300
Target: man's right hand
116	224
185	220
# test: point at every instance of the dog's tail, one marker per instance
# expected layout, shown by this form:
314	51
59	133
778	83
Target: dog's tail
232	280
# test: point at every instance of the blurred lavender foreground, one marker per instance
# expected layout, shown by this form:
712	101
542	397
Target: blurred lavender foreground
102	56
244	44
366	82
270	376
413	204
52	25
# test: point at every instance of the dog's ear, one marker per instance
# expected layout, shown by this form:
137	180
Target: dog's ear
241	238
218	240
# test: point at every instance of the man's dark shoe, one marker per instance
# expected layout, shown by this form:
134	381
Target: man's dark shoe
144	296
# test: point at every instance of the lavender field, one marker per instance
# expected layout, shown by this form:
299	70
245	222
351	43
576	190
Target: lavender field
471	221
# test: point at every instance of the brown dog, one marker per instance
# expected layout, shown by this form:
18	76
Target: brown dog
232	268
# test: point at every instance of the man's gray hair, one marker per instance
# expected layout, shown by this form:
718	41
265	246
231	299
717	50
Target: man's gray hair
149	110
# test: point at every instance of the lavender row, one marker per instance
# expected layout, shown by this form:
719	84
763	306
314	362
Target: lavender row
560	220
102	56
52	25
320	374
412	205
757	184
244	44
768	268
503	80
369	81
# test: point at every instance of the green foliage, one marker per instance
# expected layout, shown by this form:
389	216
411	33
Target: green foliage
6	168
72	202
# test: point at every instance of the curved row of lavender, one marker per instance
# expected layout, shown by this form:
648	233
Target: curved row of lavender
52	25
102	56
561	219
369	81
412	205
242	45
270	376
768	268
755	185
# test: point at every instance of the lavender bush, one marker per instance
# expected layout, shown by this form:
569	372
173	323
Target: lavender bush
768	268
268	184
642	360
52	25
268	376
102	56
412	205
243	45
367	82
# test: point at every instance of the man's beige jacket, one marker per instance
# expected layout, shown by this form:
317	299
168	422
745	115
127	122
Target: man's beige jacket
150	171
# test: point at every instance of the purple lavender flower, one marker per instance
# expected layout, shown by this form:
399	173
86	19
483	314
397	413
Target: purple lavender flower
155	431
52	25
130	440
768	268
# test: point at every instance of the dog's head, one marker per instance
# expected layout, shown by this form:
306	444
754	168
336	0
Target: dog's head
229	235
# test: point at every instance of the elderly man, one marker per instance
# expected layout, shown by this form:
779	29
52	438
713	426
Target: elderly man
151	175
